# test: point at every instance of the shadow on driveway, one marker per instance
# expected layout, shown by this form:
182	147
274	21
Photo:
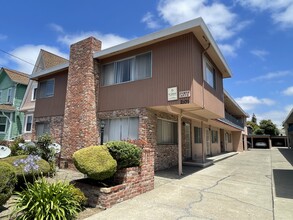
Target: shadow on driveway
288	154
172	173
283	180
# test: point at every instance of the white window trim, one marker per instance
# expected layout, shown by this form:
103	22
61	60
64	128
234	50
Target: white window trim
32	96
24	129
205	62
131	57
9	101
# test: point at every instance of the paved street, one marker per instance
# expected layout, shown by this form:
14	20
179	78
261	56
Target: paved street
239	187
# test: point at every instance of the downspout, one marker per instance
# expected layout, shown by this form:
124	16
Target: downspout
203	87
203	101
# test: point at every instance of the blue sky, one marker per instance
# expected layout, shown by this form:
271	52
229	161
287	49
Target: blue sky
255	36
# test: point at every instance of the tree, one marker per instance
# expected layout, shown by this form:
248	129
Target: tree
253	119
253	125
269	127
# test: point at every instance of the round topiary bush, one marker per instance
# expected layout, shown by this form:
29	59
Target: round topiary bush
125	153
28	166
96	162
7	181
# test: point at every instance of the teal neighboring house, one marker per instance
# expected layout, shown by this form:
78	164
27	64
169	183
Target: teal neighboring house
12	89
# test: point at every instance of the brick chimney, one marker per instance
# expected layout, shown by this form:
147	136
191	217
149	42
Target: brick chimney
80	115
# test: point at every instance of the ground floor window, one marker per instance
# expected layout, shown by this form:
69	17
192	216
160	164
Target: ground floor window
229	138
214	136
167	132
28	123
121	129
3	124
197	135
42	128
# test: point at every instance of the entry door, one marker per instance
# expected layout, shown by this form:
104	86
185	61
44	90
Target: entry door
208	142
226	141
188	153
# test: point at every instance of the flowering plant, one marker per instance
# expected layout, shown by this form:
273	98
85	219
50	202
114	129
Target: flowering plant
29	164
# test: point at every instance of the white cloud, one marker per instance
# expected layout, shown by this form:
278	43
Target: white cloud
219	18
30	53
268	77
250	102
261	54
288	91
150	21
108	40
3	37
56	28
230	49
281	10
277	116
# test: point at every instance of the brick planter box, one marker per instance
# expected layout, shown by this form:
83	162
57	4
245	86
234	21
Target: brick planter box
131	182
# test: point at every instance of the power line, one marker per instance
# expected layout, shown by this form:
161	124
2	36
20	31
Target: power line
17	57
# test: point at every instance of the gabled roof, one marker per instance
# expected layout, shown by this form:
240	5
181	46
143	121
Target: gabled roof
16	76
196	26
47	60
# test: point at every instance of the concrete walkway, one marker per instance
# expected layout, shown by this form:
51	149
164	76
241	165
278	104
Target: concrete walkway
239	187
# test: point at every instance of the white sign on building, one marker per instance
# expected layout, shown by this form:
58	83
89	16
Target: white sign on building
172	94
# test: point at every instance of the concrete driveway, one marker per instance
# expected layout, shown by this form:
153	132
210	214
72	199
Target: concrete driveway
239	187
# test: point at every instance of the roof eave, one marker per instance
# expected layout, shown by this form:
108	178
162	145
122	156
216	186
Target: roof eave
49	71
236	104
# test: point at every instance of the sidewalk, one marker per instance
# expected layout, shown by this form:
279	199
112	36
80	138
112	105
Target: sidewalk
282	171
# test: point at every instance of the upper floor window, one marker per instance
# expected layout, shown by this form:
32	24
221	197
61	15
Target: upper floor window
167	132
130	69
9	95
34	93
46	88
209	74
28	123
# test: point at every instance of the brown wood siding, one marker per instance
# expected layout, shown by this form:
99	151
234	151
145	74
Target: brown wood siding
175	62
53	106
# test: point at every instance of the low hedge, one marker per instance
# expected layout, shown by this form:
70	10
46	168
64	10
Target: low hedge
125	153
7	181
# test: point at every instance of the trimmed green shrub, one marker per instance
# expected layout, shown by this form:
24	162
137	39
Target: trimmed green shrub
79	196
42	168
16	148
7	181
42	200
125	153
96	162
